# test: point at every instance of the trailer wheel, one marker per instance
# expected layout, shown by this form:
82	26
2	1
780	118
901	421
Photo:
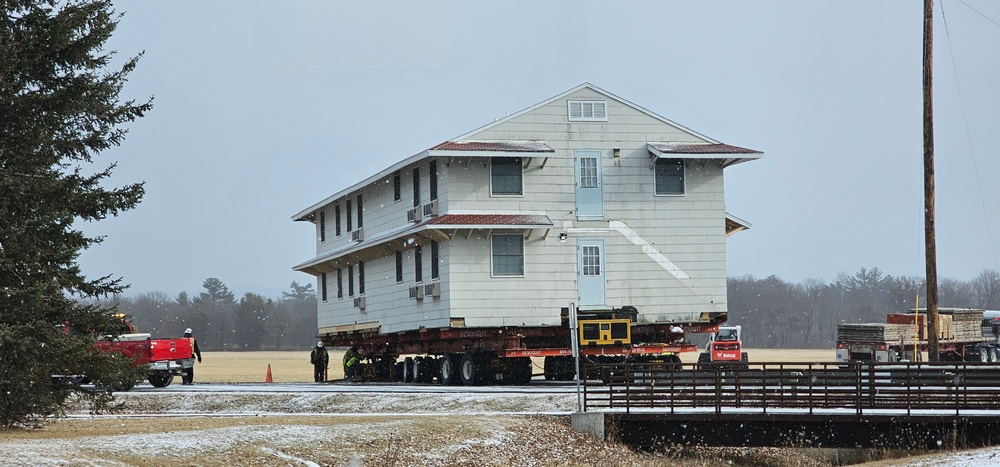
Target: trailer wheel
429	369
471	370
995	355
449	369
408	370
523	367
418	369
984	355
161	380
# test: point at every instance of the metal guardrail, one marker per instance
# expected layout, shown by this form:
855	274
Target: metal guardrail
859	387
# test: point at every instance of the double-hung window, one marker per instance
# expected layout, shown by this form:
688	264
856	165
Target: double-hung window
361	277
350	280
336	219
399	266
508	255
348	204
669	176
418	264
340	283
506	177
322	227
323	286
435	270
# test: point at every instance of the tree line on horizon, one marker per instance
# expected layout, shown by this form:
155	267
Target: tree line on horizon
774	313
221	322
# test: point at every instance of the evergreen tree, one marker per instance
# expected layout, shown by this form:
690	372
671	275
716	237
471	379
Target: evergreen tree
59	109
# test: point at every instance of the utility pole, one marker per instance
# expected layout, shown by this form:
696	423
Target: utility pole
929	236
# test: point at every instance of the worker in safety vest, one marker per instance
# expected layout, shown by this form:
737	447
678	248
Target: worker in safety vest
320	359
187	377
351	359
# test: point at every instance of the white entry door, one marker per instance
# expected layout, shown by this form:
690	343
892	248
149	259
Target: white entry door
590	260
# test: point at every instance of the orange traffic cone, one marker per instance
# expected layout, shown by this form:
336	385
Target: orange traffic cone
267	379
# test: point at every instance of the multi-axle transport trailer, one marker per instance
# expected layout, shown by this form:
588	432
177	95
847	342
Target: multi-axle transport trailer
503	355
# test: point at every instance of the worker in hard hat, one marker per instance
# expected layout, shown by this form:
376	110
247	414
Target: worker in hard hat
188	364
351	360
320	359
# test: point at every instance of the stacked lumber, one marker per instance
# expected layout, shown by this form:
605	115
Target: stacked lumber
874	332
967	324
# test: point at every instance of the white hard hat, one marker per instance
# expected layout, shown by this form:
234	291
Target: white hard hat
319	344
187	331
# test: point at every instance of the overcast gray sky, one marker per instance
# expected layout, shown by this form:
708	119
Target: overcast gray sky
264	108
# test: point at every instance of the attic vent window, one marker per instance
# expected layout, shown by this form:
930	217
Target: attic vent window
588	111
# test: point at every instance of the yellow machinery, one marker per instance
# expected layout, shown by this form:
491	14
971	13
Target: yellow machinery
594	332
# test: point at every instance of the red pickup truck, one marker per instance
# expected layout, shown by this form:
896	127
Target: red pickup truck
162	356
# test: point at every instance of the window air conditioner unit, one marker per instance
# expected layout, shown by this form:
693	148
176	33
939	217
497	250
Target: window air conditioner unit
359	303
413	215
431	209
417	292
358	235
433	290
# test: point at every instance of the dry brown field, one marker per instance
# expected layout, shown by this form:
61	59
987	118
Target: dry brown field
294	366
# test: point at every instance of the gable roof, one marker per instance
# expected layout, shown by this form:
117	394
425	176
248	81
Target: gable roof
597	90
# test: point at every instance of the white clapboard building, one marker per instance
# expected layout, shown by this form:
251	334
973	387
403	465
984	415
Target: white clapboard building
585	198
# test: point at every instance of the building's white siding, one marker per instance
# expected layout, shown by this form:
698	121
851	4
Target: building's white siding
688	230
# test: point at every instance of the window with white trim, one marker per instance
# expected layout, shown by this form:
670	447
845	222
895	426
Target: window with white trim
323	287
588	111
399	266
506	177
340	283
668	176
322	226
350	280
508	254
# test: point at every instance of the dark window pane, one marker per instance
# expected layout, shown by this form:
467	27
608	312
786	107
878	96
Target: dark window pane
508	255
505	174
669	177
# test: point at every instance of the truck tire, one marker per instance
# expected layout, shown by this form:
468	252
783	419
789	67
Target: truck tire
471	370
408	370
161	380
418	369
704	361
449	369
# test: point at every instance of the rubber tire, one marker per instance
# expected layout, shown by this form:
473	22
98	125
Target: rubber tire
158	380
470	370
418	369
704	360
408	370
429	369
448	370
548	369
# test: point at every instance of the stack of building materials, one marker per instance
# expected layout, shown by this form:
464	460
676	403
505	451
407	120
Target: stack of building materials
874	332
967	324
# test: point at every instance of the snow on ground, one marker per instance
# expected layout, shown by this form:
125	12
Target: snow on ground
345	425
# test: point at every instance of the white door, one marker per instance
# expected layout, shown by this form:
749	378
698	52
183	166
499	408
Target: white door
589	186
590	260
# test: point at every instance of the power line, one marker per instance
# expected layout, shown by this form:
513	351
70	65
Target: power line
969	7
968	135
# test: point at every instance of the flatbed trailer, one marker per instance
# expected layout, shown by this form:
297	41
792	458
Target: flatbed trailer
964	335
503	355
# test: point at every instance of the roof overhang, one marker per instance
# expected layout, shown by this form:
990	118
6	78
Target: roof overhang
447	150
441	228
726	154
735	224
